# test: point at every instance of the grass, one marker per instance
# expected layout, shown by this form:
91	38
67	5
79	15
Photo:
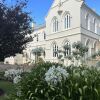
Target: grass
8	88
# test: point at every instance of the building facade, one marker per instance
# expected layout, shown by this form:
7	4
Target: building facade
67	21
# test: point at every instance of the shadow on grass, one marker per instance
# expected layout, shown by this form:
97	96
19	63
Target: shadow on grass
6	88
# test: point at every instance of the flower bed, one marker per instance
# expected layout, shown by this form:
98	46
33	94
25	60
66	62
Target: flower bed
49	81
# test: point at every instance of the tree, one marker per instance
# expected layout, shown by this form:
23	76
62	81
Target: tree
77	54
80	51
14	29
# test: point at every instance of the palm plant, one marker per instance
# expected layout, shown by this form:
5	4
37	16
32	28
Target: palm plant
37	52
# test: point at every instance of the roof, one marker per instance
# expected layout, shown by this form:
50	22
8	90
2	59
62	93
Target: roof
91	10
39	27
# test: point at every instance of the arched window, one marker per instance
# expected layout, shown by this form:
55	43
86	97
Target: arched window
88	22
55	24
67	21
37	38
67	48
44	35
95	26
55	50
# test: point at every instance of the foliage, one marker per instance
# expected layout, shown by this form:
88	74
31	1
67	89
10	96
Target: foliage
98	64
13	74
2	76
37	52
66	47
60	56
55	75
14	28
78	53
8	88
81	83
40	60
80	48
69	57
96	54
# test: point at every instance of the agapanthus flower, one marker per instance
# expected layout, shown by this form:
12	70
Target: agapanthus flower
55	75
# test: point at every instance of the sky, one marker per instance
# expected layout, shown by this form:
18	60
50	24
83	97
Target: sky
39	8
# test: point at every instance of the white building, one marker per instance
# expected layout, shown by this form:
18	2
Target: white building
67	21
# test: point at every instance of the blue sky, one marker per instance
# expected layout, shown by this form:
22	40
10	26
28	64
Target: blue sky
39	8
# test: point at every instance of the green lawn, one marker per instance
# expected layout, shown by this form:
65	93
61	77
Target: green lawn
8	87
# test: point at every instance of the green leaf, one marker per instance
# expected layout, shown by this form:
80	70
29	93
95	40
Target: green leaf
80	90
86	80
84	88
81	97
30	96
36	90
96	91
76	85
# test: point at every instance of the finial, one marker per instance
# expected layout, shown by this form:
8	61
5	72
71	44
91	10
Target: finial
59	3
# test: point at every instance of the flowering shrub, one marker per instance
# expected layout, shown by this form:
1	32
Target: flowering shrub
55	75
17	79
49	81
13	74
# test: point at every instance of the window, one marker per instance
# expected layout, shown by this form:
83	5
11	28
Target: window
67	48
44	35
55	24
95	26
55	50
37	38
67	21
88	22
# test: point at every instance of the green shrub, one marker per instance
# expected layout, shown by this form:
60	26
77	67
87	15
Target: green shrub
2	76
82	83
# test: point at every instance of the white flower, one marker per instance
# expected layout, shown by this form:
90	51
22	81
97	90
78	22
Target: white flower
17	79
55	75
12	73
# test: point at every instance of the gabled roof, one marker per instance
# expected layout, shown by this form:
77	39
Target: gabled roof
84	4
54	4
39	27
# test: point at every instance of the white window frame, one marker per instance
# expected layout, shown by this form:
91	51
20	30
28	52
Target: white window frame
55	25
67	21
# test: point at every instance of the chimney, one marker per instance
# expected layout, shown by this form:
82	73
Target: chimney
33	24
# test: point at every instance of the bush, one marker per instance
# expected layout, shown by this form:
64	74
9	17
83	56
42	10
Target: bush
2	77
81	83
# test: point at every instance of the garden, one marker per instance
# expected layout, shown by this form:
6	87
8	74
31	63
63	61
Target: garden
6	88
54	81
76	80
